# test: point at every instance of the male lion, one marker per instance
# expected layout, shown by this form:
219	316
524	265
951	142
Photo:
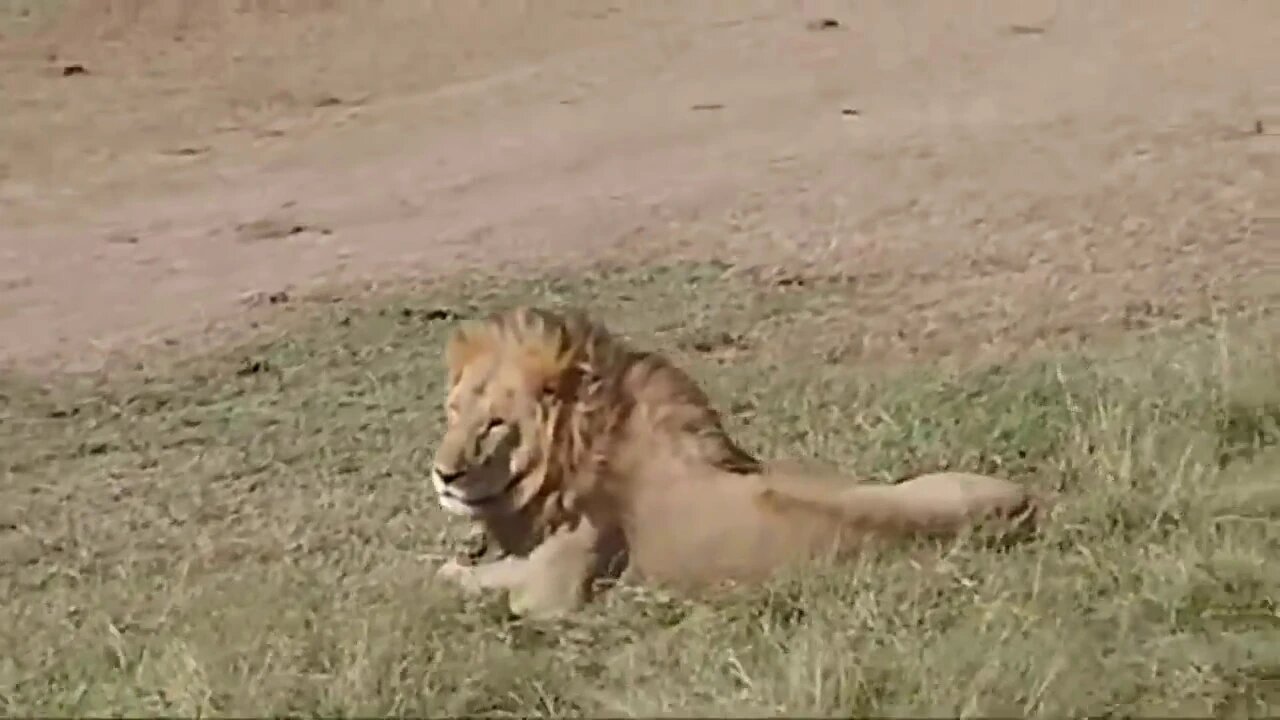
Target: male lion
583	458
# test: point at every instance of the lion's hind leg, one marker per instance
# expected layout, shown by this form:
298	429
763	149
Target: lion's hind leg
969	500
937	504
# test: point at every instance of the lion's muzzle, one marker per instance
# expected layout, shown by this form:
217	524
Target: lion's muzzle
447	477
475	491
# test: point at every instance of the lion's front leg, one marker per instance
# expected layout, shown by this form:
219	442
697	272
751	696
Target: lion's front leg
504	574
561	571
554	580
540	586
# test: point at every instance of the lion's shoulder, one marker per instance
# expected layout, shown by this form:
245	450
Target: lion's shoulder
672	412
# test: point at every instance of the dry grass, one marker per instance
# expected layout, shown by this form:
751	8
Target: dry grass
252	533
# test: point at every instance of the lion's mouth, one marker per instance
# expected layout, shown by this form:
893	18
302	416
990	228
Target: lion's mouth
484	500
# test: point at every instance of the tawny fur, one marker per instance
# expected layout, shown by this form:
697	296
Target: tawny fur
583	458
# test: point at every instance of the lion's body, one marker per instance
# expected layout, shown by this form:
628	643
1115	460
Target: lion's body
707	527
582	457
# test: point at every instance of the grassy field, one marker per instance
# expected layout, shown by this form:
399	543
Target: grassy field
253	532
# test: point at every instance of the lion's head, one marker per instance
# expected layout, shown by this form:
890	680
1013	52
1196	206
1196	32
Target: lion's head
510	377
535	396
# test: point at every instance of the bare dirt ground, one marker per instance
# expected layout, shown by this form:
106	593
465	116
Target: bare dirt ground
987	171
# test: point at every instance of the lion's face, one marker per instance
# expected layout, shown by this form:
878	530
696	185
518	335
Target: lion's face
490	459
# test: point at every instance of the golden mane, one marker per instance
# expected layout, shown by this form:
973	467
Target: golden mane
600	380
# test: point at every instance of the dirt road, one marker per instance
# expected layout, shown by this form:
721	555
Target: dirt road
1012	169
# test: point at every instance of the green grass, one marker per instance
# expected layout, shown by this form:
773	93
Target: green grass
253	532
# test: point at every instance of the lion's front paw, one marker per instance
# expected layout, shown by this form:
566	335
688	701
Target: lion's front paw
463	576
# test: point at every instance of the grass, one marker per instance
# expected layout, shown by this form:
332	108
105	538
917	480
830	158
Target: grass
252	532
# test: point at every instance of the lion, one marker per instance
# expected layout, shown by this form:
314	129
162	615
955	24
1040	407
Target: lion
586	460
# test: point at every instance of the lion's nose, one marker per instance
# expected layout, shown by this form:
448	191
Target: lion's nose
448	477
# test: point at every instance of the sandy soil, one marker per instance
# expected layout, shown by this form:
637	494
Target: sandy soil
985	170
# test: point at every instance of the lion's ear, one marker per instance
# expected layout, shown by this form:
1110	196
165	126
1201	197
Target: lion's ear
467	343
